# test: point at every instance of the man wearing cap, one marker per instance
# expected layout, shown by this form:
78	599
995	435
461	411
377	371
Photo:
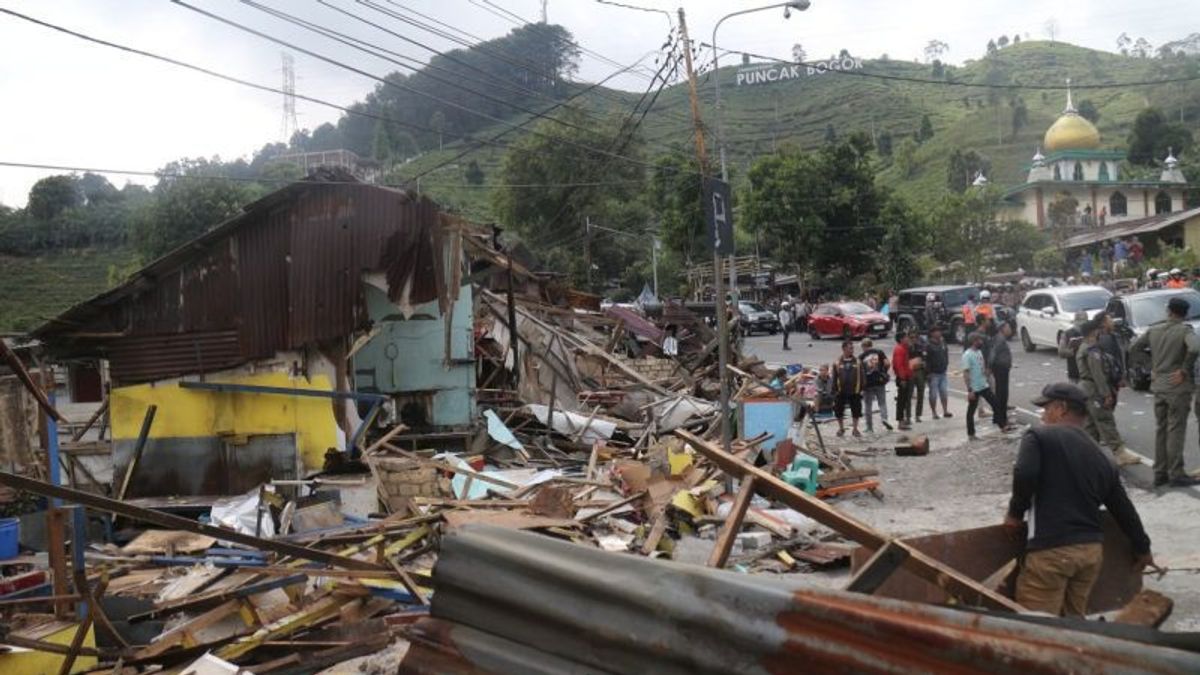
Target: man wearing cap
1099	378
1060	480
1173	351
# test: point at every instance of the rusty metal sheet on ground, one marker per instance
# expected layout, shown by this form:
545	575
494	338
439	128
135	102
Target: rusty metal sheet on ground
981	551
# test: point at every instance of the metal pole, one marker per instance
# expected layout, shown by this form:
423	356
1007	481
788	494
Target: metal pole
654	263
799	5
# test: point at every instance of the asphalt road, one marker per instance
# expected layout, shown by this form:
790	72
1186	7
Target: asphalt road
1031	372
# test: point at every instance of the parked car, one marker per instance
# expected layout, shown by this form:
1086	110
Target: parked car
1047	313
753	317
910	312
846	320
1135	313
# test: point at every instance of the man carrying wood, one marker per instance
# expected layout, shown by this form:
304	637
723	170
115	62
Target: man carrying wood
1060	479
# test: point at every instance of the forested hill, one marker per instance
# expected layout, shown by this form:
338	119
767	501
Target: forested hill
448	128
1002	125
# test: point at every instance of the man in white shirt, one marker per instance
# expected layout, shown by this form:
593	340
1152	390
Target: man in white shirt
785	322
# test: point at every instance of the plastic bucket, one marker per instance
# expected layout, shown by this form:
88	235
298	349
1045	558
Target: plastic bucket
10	530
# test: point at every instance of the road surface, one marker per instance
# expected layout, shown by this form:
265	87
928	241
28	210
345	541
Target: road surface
1031	372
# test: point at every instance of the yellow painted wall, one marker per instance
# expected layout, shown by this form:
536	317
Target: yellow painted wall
1191	233
191	413
45	663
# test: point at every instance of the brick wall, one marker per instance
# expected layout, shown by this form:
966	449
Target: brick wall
403	478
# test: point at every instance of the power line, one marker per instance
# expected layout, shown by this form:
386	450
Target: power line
482	46
255	85
953	83
389	83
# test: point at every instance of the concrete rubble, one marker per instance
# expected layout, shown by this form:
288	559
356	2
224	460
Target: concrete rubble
580	430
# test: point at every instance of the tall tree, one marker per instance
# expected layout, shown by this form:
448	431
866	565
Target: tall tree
1142	48
906	157
1123	43
1002	41
991	47
1016	39
551	219
1089	111
1051	28
437	122
934	49
52	195
926	131
190	197
675	197
1152	136
1020	115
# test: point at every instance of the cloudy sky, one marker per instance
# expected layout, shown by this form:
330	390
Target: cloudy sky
67	102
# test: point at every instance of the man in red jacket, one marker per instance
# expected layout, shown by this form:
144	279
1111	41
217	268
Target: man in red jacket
902	366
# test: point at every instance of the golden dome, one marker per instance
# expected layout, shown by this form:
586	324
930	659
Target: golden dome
1071	132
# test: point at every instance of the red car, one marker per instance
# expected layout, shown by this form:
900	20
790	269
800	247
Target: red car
847	320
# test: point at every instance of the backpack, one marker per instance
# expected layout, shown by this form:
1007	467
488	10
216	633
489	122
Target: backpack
1112	368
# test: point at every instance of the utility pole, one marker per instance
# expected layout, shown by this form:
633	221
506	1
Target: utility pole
587	249
654	244
722	319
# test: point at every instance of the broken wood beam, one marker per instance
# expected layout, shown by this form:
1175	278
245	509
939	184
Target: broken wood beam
878	569
14	362
138	449
91	421
955	583
733	524
174	522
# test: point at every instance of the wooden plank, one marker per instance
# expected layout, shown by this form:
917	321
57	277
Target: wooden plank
56	548
91	421
657	529
878	569
172	521
138	449
733	524
957	584
68	663
445	466
14	362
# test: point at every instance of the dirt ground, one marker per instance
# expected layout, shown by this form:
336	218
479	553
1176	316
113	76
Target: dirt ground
963	484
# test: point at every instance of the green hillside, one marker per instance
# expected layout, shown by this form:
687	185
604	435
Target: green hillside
759	117
39	287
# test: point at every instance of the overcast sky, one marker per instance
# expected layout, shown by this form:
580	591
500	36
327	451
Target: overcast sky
67	102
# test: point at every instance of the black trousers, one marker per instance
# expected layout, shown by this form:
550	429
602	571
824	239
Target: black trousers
1000	407
973	406
904	392
786	332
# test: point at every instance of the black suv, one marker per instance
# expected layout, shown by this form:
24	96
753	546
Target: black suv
911	312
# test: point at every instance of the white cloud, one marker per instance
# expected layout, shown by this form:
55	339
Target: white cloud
69	102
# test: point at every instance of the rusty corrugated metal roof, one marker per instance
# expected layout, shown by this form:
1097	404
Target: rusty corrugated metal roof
516	602
284	274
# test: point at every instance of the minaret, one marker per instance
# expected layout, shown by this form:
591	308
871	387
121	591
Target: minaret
1038	171
1070	109
1171	171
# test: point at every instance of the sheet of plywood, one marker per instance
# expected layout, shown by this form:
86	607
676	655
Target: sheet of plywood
163	541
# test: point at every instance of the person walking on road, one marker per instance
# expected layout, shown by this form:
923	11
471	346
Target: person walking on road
975	377
1173	351
999	363
847	388
902	367
1069	343
1060	479
785	324
1099	378
875	376
937	362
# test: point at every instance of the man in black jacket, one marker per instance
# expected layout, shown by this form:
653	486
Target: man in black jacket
1061	479
999	361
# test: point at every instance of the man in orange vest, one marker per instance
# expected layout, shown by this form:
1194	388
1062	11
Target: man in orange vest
968	314
985	307
1177	280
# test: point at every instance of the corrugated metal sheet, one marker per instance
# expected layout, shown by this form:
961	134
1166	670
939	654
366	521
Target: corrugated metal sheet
516	602
283	275
154	357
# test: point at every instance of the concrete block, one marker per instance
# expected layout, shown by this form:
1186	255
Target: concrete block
750	541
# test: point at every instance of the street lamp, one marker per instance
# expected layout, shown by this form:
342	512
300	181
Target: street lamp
799	6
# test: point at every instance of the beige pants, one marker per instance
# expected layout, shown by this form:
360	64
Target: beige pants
1059	580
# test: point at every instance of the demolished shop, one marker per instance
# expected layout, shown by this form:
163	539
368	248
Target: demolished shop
280	335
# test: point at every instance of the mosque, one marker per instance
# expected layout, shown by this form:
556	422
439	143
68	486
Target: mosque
1075	165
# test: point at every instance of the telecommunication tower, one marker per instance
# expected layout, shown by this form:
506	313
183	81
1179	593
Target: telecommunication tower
289	124
544	3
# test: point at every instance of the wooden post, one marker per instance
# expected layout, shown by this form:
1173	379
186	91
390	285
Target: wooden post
56	547
138	448
733	523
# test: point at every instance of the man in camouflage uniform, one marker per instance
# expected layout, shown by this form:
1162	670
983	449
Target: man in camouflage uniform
1099	379
1173	351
